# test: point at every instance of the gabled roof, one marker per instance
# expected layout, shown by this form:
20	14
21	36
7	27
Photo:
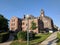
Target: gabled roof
48	17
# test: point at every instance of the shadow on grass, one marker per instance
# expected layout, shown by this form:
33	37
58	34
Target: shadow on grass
37	37
34	40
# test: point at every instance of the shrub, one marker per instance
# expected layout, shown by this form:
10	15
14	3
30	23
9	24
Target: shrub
4	36
15	37
31	35
23	35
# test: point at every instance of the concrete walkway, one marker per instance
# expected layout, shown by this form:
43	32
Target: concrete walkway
51	40
9	40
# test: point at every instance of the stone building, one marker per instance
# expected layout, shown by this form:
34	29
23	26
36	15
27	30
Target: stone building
43	23
47	22
15	24
30	19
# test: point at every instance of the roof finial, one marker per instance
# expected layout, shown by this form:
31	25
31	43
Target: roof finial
42	12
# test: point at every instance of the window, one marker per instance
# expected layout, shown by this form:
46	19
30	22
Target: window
13	24
12	28
13	20
23	23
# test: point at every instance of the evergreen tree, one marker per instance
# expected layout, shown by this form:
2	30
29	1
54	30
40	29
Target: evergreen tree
3	24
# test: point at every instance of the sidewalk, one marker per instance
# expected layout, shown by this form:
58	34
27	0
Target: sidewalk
51	40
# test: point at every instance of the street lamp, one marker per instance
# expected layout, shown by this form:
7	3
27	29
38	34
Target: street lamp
27	19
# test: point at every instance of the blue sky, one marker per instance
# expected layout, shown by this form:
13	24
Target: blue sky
18	8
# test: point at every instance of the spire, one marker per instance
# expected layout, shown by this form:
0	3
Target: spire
42	12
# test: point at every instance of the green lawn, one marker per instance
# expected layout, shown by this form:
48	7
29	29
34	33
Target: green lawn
38	39
58	36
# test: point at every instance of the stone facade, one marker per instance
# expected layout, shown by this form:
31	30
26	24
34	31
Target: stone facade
47	22
43	23
24	27
15	24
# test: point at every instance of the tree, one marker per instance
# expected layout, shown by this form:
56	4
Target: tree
3	24
22	35
33	25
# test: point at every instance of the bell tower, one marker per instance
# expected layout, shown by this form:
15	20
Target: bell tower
42	12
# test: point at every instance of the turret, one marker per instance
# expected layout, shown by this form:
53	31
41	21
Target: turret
42	12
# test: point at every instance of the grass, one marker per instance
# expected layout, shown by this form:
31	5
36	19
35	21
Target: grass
4	33
58	36
16	42
38	39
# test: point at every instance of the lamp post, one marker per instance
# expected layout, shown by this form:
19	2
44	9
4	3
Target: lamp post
27	16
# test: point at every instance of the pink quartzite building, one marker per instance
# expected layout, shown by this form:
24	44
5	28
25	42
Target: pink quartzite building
43	23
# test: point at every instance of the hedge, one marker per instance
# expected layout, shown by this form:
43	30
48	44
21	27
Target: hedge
4	36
